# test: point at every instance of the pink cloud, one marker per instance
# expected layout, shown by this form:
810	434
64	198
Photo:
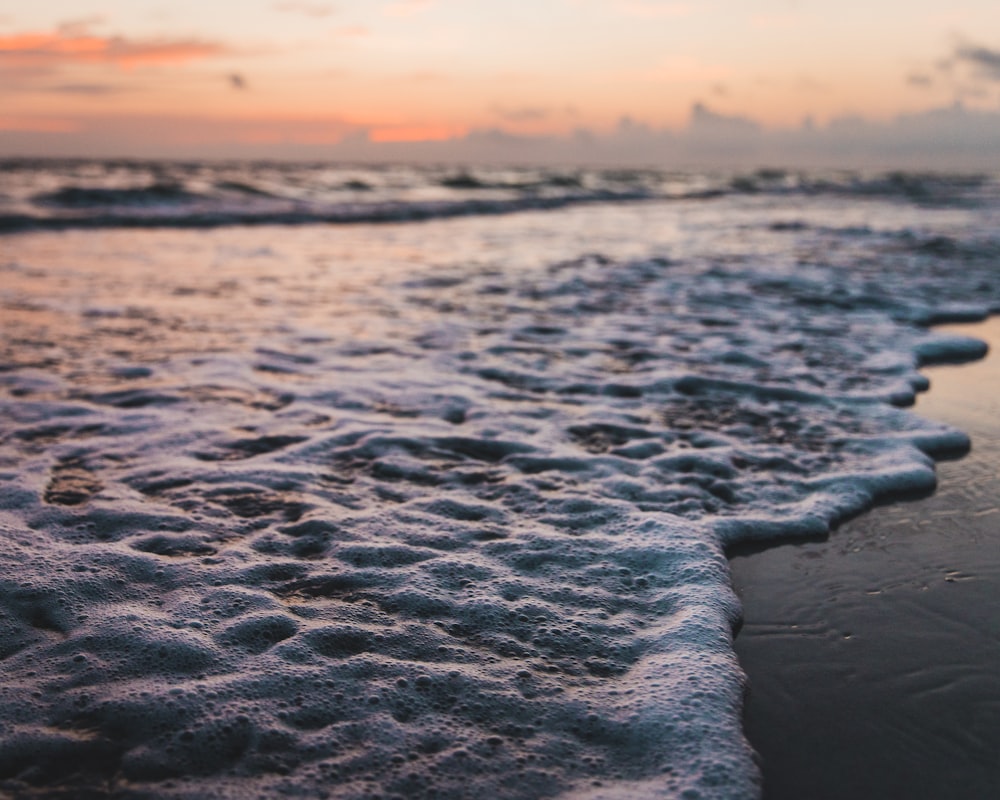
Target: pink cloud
38	124
71	46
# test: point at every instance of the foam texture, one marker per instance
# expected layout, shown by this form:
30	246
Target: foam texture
440	510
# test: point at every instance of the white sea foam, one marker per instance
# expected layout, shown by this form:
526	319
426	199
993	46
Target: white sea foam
440	510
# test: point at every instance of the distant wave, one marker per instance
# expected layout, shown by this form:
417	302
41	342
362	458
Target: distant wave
68	195
86	197
915	186
142	212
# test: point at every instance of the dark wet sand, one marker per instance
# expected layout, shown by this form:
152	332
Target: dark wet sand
874	657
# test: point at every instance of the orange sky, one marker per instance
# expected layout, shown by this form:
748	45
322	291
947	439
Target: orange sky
395	70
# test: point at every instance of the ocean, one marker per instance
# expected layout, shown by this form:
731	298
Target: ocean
418	481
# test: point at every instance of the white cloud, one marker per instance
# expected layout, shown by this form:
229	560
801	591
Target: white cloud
984	60
686	70
652	9
408	8
352	32
317	10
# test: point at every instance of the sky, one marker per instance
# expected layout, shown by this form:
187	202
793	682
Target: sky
615	79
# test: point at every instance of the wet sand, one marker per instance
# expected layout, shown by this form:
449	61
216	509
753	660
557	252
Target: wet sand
873	656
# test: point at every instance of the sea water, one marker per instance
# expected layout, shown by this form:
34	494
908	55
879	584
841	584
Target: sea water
354	482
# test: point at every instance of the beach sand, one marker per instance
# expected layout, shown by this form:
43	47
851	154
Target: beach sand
872	656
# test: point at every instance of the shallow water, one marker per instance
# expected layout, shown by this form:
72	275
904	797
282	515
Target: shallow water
434	508
872	656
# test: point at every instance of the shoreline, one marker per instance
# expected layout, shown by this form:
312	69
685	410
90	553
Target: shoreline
871	655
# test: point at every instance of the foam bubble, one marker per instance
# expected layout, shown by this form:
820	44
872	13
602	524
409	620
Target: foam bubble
446	531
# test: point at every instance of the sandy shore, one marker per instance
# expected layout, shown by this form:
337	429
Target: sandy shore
873	656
